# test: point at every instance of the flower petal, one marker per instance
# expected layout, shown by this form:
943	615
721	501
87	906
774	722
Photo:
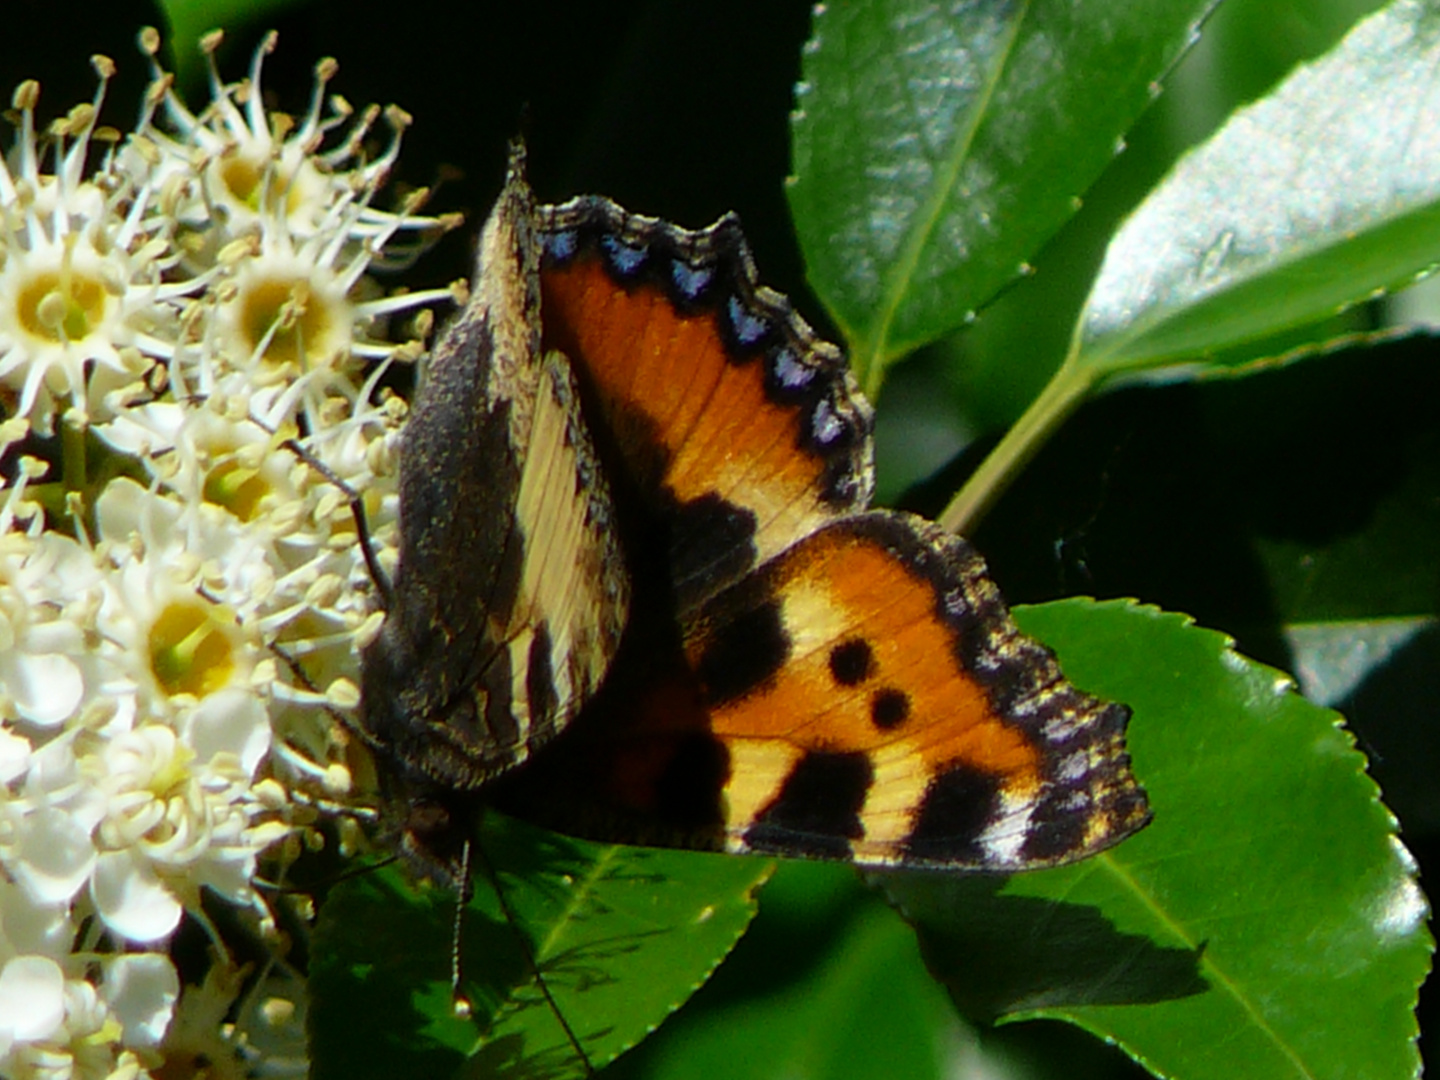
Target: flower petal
132	899
47	688
232	721
32	998
141	990
14	755
53	856
28	927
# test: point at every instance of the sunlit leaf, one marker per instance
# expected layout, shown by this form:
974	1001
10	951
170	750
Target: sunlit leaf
1269	896
937	146
622	936
1307	201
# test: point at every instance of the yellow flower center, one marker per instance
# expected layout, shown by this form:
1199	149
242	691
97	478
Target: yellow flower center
241	178
303	323
61	307
251	182
190	652
236	487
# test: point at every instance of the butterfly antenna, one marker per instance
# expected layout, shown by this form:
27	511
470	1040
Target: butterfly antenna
357	511
505	910
460	1001
327	882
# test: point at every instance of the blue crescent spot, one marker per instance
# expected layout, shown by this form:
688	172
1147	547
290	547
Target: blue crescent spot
561	246
824	424
790	373
624	258
748	328
690	280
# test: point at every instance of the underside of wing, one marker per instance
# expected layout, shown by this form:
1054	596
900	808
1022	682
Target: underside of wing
511	592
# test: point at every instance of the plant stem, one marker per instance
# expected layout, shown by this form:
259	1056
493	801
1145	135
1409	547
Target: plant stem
1064	392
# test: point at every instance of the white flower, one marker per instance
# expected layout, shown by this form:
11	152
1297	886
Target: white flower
80	278
179	815
140	990
179	624
32	1000
28	928
246	170
55	1023
47	583
52	853
40	577
55	1026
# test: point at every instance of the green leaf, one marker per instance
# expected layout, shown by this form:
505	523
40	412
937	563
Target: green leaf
1332	659
935	147
1307	201
1269	897
868	1008
622	935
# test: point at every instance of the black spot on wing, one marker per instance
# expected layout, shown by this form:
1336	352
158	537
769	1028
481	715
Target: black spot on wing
957	807
743	653
540	679
889	708
817	812
1056	829
852	662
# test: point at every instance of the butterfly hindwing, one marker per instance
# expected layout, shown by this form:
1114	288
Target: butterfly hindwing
864	696
906	720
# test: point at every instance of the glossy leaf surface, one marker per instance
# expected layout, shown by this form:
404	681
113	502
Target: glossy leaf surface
935	147
1269	895
622	936
1311	199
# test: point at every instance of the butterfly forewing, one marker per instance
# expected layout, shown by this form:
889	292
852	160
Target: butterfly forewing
510	594
742	430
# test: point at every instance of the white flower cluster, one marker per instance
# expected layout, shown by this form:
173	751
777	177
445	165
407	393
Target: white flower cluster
181	596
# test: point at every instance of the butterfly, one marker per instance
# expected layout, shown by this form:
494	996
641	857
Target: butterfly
641	596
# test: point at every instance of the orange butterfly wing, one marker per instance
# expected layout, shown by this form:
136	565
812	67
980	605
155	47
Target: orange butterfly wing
800	676
738	428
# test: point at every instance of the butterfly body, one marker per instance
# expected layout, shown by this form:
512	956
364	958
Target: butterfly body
641	484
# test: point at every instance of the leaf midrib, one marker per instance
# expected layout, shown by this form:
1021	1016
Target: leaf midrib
1207	962
903	268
